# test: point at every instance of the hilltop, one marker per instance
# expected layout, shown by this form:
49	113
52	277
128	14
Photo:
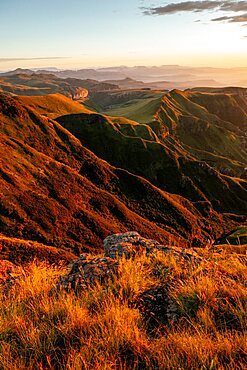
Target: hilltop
168	76
53	105
209	124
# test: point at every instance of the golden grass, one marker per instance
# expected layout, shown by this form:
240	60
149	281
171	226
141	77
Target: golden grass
99	329
53	105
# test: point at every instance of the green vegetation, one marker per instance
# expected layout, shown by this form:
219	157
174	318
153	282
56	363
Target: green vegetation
209	125
138	105
141	110
164	162
236	237
199	121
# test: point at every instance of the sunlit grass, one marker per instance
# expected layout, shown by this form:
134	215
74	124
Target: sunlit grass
100	329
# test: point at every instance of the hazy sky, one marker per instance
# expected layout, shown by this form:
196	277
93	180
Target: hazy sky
81	33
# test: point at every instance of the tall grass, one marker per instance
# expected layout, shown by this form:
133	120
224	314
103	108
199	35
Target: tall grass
100	329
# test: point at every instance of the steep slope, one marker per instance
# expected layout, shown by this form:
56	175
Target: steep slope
162	161
21	251
229	107
56	192
198	121
209	126
241	91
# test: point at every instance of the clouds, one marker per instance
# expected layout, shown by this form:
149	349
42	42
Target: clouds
203	6
232	19
234	6
187	6
27	59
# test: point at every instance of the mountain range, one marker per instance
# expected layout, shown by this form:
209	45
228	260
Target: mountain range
173	166
165	77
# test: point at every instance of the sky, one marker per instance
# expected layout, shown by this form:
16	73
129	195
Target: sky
97	33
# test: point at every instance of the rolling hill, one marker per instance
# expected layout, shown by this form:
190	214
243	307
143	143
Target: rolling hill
137	104
39	84
53	105
212	127
175	172
162	158
210	124
58	193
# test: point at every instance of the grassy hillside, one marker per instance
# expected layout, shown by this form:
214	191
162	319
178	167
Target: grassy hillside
53	105
175	301
137	105
20	251
209	124
83	198
199	121
230	107
39	84
58	193
235	237
42	84
165	163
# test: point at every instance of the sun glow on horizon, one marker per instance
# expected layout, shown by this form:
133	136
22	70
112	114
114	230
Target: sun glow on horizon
115	33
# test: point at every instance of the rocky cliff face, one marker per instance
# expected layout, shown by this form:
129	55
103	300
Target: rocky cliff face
79	94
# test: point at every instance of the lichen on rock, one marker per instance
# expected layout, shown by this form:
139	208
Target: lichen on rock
86	271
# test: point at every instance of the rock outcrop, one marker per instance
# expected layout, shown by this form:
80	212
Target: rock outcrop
130	243
87	269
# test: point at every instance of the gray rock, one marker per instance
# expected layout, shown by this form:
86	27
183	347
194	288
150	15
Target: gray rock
156	306
86	271
130	243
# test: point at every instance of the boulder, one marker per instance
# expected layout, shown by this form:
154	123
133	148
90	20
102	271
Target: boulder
156	306
86	271
130	243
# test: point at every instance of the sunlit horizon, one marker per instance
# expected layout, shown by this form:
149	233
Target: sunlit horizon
74	35
75	64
